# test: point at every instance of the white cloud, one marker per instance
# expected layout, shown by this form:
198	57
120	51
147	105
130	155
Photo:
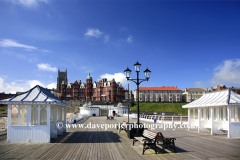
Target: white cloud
46	67
29	3
129	39
119	77
106	38
200	84
12	43
227	72
44	50
52	85
22	85
93	33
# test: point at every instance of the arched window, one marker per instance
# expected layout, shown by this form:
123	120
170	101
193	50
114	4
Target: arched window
43	116
34	115
14	115
23	115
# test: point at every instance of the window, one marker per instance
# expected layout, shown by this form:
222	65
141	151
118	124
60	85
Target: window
34	115
226	112
63	112
14	115
200	92
52	115
196	92
215	113
196	113
43	116
58	114
202	114
196	97
23	115
233	114
238	112
191	113
220	113
208	114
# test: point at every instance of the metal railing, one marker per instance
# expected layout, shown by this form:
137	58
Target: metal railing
165	119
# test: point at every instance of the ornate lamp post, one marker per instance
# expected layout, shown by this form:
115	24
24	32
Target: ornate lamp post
147	73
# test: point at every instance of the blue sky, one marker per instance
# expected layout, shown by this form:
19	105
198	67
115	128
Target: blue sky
184	43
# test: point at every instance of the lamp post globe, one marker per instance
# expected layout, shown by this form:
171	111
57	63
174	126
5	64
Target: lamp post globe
137	66
127	73
147	73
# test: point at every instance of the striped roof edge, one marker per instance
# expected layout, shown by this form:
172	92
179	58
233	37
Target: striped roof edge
160	88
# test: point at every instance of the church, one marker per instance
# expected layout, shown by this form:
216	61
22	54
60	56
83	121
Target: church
103	90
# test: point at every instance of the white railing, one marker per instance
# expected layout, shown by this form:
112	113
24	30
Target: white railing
3	122
77	117
165	119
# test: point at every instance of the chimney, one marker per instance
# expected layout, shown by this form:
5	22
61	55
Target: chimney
211	89
176	86
80	81
185	89
206	89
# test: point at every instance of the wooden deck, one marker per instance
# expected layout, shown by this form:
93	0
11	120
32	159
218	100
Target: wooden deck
97	143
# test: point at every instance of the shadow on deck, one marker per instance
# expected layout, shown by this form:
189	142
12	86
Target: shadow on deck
87	137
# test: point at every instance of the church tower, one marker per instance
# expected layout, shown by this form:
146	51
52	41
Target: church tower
62	76
88	87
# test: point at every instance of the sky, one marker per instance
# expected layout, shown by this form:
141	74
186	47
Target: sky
188	44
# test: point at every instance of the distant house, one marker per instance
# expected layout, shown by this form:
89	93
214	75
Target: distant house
192	94
222	87
3	95
130	95
158	94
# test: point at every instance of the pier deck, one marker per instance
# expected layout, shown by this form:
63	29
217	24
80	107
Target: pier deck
97	143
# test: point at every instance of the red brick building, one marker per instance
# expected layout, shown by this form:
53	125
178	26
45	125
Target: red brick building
98	91
222	87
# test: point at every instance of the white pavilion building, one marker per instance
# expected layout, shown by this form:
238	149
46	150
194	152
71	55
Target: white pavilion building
119	110
218	112
35	116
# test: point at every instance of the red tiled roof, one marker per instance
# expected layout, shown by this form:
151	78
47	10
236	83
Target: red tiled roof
160	88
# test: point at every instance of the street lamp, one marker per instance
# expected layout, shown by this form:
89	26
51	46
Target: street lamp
147	73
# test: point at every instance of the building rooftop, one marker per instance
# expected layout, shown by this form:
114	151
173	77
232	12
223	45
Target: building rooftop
160	88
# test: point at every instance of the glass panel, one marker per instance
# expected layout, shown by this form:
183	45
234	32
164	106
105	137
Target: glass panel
14	115
63	113
196	113
58	114
226	112
202	114
215	114
43	116
233	114
52	115
191	113
221	114
238	114
23	116
34	116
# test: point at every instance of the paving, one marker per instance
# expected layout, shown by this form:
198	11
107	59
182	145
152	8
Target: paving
98	143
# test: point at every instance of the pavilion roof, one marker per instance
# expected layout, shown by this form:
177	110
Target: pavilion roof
36	95
217	98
